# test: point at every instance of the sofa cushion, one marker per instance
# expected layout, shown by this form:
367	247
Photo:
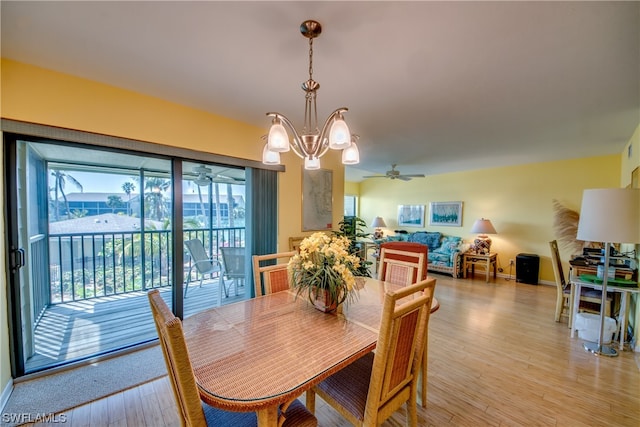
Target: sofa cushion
449	245
439	258
429	238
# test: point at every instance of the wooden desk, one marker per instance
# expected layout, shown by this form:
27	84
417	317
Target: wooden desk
257	354
576	286
485	261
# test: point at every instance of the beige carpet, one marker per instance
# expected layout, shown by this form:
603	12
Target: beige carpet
65	390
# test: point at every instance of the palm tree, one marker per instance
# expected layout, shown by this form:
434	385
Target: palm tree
61	178
129	187
155	207
230	204
114	202
202	207
218	220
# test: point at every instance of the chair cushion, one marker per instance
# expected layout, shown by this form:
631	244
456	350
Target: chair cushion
349	386
436	257
219	417
297	415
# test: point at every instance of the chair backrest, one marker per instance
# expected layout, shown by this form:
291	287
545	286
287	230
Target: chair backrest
403	262
176	357
233	260
294	243
273	276
199	256
401	342
557	265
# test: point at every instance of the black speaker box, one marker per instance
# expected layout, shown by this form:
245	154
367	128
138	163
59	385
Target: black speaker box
527	268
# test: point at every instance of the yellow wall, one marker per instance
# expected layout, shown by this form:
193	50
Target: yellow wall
517	200
629	163
46	97
632	160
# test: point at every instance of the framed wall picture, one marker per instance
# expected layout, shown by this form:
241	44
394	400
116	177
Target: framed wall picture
411	215
317	200
445	213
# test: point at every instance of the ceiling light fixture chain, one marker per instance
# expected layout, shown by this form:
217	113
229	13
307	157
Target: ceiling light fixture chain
313	142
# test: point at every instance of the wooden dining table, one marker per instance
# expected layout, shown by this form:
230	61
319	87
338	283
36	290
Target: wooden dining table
261	353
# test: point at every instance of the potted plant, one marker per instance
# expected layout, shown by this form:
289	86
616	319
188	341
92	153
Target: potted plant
324	271
351	227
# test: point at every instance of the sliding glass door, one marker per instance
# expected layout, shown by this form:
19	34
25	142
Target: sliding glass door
213	198
92	230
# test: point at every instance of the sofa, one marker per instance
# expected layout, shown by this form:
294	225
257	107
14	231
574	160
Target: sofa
444	254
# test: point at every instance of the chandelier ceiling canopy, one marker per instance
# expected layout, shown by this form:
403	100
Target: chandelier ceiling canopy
312	143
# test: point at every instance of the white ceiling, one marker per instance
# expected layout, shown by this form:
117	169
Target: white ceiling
435	87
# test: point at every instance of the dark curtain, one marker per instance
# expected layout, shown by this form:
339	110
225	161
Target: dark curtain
262	216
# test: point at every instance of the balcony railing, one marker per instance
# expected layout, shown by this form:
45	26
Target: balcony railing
91	265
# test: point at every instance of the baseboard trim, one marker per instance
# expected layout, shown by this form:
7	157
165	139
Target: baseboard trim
6	393
512	278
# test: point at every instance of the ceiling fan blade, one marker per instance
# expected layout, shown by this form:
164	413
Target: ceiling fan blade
403	177
414	175
376	176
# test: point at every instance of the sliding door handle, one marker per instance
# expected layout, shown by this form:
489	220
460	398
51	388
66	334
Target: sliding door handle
18	260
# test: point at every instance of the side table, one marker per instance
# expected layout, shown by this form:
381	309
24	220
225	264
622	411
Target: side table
485	261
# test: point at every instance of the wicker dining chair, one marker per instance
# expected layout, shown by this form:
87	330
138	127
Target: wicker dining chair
270	276
590	299
372	388
191	410
405	263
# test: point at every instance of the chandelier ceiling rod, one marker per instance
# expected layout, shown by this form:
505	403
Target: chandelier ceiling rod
312	143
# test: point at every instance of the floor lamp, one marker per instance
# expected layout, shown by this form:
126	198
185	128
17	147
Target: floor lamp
610	215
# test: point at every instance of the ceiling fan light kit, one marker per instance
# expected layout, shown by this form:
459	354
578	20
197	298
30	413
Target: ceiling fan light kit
395	174
311	143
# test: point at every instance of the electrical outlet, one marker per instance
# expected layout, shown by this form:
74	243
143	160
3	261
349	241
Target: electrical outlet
511	262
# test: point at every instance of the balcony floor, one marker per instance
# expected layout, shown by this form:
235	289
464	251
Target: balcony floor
76	330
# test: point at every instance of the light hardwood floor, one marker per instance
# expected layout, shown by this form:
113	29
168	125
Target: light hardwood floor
496	358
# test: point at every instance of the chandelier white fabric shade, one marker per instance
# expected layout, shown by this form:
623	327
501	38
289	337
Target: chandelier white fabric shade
610	215
313	142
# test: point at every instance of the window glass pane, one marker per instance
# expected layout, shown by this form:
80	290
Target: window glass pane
350	203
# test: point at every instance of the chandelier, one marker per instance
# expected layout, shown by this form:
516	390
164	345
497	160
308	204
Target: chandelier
311	143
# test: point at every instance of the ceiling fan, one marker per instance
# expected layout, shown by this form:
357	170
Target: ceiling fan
206	177
394	174
203	177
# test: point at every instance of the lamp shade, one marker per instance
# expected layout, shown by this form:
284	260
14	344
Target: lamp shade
351	155
610	215
483	226
378	222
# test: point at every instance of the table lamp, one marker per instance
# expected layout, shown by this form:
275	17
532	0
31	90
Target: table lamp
609	215
378	222
482	244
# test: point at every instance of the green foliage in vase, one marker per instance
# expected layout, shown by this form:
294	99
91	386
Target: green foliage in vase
324	263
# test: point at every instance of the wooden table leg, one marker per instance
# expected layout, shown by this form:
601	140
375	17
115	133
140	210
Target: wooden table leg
268	417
